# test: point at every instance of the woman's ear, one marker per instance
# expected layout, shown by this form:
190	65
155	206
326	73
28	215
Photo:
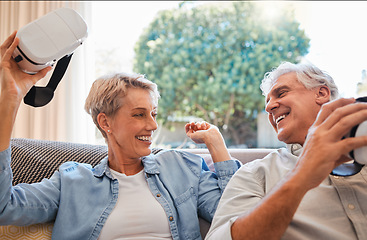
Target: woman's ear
322	95
103	122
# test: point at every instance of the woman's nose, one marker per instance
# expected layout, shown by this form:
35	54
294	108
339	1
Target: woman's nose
152	124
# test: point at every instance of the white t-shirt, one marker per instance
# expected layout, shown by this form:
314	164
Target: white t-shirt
137	214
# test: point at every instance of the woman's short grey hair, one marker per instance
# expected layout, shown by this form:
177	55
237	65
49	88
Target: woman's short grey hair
107	94
307	74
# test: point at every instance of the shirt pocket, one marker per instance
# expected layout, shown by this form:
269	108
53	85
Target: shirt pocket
187	211
182	198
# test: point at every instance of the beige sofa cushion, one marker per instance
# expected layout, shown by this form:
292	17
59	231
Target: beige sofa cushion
36	232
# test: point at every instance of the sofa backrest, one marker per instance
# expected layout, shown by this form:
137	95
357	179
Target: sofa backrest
33	160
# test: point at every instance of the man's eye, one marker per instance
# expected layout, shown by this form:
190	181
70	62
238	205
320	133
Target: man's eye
139	115
281	94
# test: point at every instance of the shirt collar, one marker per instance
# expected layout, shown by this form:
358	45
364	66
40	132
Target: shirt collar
295	148
149	163
102	168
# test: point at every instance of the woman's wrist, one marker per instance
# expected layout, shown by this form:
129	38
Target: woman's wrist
8	111
217	147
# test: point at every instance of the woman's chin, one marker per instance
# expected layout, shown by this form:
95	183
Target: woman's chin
146	152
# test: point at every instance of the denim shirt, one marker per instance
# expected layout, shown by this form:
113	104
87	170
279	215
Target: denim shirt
79	198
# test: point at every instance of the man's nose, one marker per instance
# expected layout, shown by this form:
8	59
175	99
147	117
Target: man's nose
271	105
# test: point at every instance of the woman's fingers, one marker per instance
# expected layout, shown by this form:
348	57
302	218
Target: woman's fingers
41	74
196	126
6	44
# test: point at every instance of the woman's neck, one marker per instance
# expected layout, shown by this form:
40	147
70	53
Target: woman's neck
123	164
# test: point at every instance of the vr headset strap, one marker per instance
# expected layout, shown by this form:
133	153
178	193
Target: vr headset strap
40	96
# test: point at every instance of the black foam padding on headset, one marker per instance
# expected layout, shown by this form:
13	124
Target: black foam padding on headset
40	96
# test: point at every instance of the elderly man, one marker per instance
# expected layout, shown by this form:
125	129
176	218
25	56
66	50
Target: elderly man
291	193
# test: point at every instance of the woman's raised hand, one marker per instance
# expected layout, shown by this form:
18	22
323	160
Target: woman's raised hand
14	82
204	132
14	85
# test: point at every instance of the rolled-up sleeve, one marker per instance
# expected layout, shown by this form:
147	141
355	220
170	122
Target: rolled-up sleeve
211	186
225	170
26	204
5	178
242	193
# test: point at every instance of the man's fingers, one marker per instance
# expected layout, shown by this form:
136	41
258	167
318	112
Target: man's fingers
328	108
346	123
341	118
341	160
349	144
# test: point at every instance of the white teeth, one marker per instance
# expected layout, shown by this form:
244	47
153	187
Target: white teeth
279	118
144	138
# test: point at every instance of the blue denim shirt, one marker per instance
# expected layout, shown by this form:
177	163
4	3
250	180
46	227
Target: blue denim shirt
79	198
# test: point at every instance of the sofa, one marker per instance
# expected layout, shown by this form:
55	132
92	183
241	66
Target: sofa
33	160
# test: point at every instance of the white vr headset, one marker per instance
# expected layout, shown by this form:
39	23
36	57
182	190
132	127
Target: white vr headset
359	155
45	41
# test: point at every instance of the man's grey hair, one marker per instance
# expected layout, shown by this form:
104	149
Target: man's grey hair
307	74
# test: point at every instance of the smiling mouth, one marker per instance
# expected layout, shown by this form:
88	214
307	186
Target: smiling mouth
144	138
280	118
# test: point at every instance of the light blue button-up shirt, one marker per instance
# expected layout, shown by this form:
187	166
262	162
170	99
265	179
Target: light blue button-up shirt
79	198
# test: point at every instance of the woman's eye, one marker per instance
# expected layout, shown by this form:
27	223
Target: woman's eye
139	115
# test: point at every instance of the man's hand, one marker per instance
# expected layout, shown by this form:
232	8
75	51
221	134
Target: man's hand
324	148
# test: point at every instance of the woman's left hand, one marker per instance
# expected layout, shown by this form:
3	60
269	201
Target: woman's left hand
203	132
199	132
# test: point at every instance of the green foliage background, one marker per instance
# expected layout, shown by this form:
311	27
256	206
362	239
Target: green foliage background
209	60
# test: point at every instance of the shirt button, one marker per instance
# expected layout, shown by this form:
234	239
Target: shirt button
158	195
171	218
351	206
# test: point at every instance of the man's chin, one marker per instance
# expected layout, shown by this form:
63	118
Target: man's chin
289	140
282	136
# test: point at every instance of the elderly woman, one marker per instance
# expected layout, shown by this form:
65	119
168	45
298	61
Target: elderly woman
131	194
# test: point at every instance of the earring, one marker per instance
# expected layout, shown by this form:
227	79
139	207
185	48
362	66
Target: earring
108	130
